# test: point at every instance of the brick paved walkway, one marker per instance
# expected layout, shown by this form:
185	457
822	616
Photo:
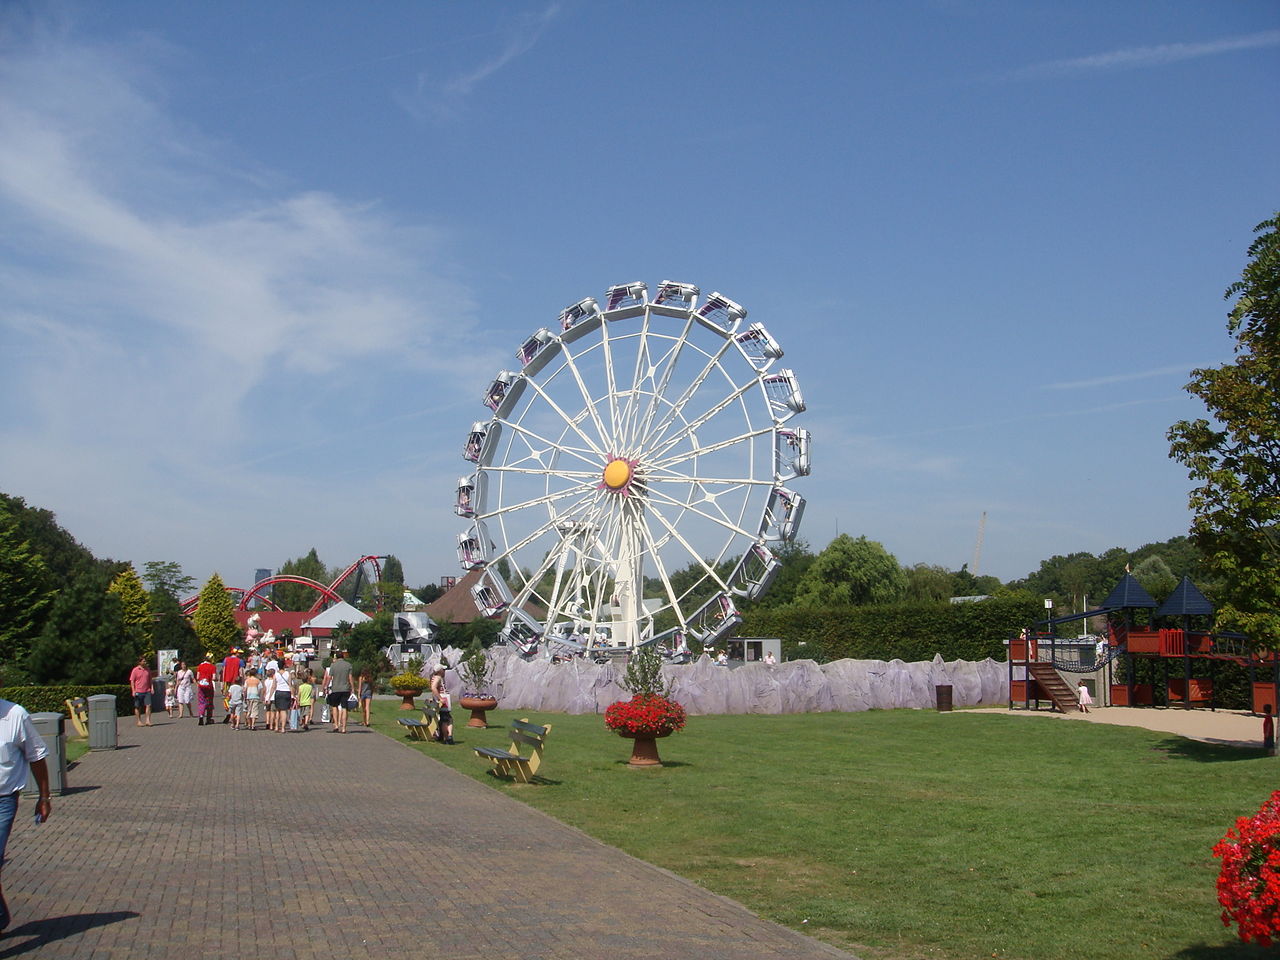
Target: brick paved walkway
200	841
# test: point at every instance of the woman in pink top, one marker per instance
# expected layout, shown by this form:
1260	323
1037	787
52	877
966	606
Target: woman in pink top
140	685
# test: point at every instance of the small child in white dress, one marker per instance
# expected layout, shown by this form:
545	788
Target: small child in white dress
1083	693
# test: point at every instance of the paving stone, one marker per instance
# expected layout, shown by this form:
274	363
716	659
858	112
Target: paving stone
298	846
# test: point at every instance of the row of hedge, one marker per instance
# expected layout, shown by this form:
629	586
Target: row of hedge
53	699
910	632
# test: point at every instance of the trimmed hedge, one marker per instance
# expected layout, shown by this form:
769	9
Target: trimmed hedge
910	632
51	699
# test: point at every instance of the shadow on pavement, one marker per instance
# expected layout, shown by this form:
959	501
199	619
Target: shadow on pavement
41	933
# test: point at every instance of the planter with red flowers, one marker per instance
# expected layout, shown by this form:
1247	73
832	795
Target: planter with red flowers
1249	882
650	714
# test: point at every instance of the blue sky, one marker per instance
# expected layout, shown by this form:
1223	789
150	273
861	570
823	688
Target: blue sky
259	261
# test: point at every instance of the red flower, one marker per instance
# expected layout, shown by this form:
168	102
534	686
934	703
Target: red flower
1249	882
642	714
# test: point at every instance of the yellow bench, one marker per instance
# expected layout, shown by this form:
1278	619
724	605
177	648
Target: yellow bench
78	710
424	729
524	755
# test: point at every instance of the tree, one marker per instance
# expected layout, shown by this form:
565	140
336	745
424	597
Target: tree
393	570
852	572
26	591
171	630
135	610
167	575
83	641
294	596
214	623
62	554
1235	460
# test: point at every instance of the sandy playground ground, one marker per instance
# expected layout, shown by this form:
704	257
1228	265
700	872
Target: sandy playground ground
1235	728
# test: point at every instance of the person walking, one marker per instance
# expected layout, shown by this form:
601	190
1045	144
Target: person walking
232	665
366	695
444	721
1082	693
252	698
140	687
204	689
185	681
21	749
306	699
283	697
337	687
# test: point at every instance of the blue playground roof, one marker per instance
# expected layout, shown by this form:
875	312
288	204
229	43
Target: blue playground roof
1128	593
1186	601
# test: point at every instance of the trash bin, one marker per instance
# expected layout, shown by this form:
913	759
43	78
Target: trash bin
52	729
943	693
159	687
102	721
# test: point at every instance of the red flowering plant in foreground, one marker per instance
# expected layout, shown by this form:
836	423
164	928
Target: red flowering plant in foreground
645	716
1249	883
650	711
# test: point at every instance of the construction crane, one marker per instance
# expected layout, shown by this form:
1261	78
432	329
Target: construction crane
976	567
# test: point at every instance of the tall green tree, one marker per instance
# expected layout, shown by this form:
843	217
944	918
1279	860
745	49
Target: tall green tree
63	555
214	622
135	610
853	572
84	639
171	630
26	591
167	575
294	596
1235	458
392	570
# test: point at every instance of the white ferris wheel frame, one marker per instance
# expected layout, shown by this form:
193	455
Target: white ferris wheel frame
645	433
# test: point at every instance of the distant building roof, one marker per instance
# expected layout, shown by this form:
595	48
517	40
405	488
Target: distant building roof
330	617
1128	593
456	605
1186	601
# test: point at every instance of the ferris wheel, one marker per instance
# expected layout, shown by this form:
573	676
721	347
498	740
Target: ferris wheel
633	475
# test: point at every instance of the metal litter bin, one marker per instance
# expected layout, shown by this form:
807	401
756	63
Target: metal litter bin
942	692
52	729
102	722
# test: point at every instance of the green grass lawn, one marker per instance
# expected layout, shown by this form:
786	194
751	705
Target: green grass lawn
910	834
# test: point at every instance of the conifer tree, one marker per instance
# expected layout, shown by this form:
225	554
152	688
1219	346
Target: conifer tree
214	623
83	641
26	592
135	610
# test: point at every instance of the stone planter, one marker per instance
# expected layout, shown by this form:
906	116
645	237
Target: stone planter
644	748
478	707
408	695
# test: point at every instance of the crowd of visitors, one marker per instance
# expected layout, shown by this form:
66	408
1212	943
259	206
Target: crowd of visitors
267	689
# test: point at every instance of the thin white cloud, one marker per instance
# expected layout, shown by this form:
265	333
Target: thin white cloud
1134	58
1183	369
440	99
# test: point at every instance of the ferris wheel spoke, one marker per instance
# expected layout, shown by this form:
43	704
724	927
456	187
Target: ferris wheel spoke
571	422
703	481
688	428
606	344
672	359
537	501
545	472
589	402
712	364
664	578
722	519
708	449
710	570
538	532
586	456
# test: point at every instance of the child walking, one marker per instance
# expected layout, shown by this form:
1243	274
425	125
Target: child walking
252	698
1082	692
235	703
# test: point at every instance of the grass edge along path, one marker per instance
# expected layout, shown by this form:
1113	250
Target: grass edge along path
908	834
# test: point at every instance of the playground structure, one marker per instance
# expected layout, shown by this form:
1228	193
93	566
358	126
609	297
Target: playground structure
1038	658
632	476
326	594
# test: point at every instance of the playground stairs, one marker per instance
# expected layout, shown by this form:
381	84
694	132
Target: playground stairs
1059	691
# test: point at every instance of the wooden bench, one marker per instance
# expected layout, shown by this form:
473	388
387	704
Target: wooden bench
78	710
424	729
524	755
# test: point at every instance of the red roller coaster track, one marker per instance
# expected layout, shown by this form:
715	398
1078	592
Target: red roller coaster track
325	594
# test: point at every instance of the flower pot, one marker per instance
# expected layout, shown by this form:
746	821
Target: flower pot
408	696
478	706
644	748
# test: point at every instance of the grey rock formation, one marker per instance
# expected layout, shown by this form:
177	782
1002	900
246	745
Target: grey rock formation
799	686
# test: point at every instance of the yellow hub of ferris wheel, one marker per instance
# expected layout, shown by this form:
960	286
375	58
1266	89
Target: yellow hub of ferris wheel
617	474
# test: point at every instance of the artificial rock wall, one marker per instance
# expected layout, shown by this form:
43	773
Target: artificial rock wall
799	686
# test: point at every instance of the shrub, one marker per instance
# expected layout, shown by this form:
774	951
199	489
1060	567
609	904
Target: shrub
51	699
